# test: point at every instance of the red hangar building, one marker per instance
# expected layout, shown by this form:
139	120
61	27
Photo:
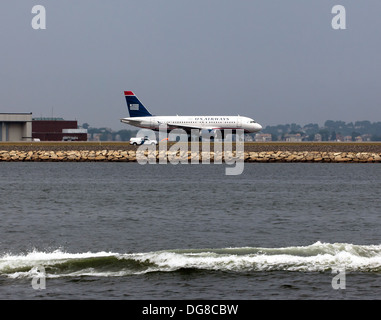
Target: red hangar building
57	129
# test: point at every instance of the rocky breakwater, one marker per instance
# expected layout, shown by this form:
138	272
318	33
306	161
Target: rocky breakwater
132	156
312	156
75	155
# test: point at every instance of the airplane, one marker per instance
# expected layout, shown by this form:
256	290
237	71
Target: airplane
141	117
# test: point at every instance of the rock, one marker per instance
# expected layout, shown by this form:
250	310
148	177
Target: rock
187	155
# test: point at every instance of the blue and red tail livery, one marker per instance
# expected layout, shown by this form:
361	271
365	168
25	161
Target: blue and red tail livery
135	107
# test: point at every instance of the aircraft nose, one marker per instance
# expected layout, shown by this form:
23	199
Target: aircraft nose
258	127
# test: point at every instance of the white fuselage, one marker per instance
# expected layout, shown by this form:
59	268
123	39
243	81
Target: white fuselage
196	122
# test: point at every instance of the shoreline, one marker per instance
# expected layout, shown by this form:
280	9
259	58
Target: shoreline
249	146
253	152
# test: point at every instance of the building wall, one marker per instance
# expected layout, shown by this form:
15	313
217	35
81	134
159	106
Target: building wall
55	136
54	130
15	127
16	131
53	125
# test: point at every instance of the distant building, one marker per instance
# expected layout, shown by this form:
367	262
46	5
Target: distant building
293	137
263	137
318	137
57	129
15	127
366	137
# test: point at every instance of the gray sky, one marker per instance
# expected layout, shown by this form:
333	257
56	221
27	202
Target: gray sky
276	61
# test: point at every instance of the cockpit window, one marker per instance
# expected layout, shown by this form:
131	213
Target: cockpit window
252	121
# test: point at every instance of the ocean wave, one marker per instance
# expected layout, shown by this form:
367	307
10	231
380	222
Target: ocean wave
317	257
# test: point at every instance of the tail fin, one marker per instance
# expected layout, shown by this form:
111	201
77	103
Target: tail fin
135	107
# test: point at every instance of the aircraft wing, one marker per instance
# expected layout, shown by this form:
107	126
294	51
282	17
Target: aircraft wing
187	129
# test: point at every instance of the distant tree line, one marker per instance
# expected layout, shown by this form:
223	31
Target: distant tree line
107	134
331	131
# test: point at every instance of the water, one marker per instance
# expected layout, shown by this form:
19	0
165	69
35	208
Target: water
130	231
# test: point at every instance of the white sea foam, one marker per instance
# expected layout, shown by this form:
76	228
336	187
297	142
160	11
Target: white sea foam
317	257
314	258
12	264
